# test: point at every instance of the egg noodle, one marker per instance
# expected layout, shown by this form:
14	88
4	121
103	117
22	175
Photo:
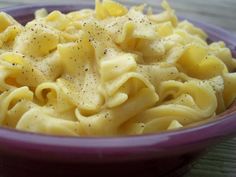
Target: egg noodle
110	71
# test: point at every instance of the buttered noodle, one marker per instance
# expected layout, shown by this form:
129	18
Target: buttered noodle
110	71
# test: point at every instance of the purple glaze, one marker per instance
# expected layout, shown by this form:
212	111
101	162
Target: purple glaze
140	155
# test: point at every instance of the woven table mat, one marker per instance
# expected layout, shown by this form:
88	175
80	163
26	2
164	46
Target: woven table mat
219	161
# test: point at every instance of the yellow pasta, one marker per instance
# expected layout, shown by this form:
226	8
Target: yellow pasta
110	71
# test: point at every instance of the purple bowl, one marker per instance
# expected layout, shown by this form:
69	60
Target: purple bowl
25	154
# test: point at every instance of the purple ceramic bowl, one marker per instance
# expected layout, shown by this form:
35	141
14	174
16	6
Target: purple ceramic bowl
27	155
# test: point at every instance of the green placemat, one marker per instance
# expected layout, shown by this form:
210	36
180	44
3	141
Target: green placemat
220	161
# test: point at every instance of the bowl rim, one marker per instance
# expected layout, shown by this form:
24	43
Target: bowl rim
125	144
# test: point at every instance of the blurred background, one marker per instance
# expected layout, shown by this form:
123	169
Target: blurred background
218	12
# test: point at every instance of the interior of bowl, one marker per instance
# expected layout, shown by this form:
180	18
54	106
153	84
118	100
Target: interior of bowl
224	125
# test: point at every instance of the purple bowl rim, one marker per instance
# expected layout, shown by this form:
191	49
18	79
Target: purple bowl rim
162	140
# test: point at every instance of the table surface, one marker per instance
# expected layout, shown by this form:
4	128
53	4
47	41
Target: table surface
220	161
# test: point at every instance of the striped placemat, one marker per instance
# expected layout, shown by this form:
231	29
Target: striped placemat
220	161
